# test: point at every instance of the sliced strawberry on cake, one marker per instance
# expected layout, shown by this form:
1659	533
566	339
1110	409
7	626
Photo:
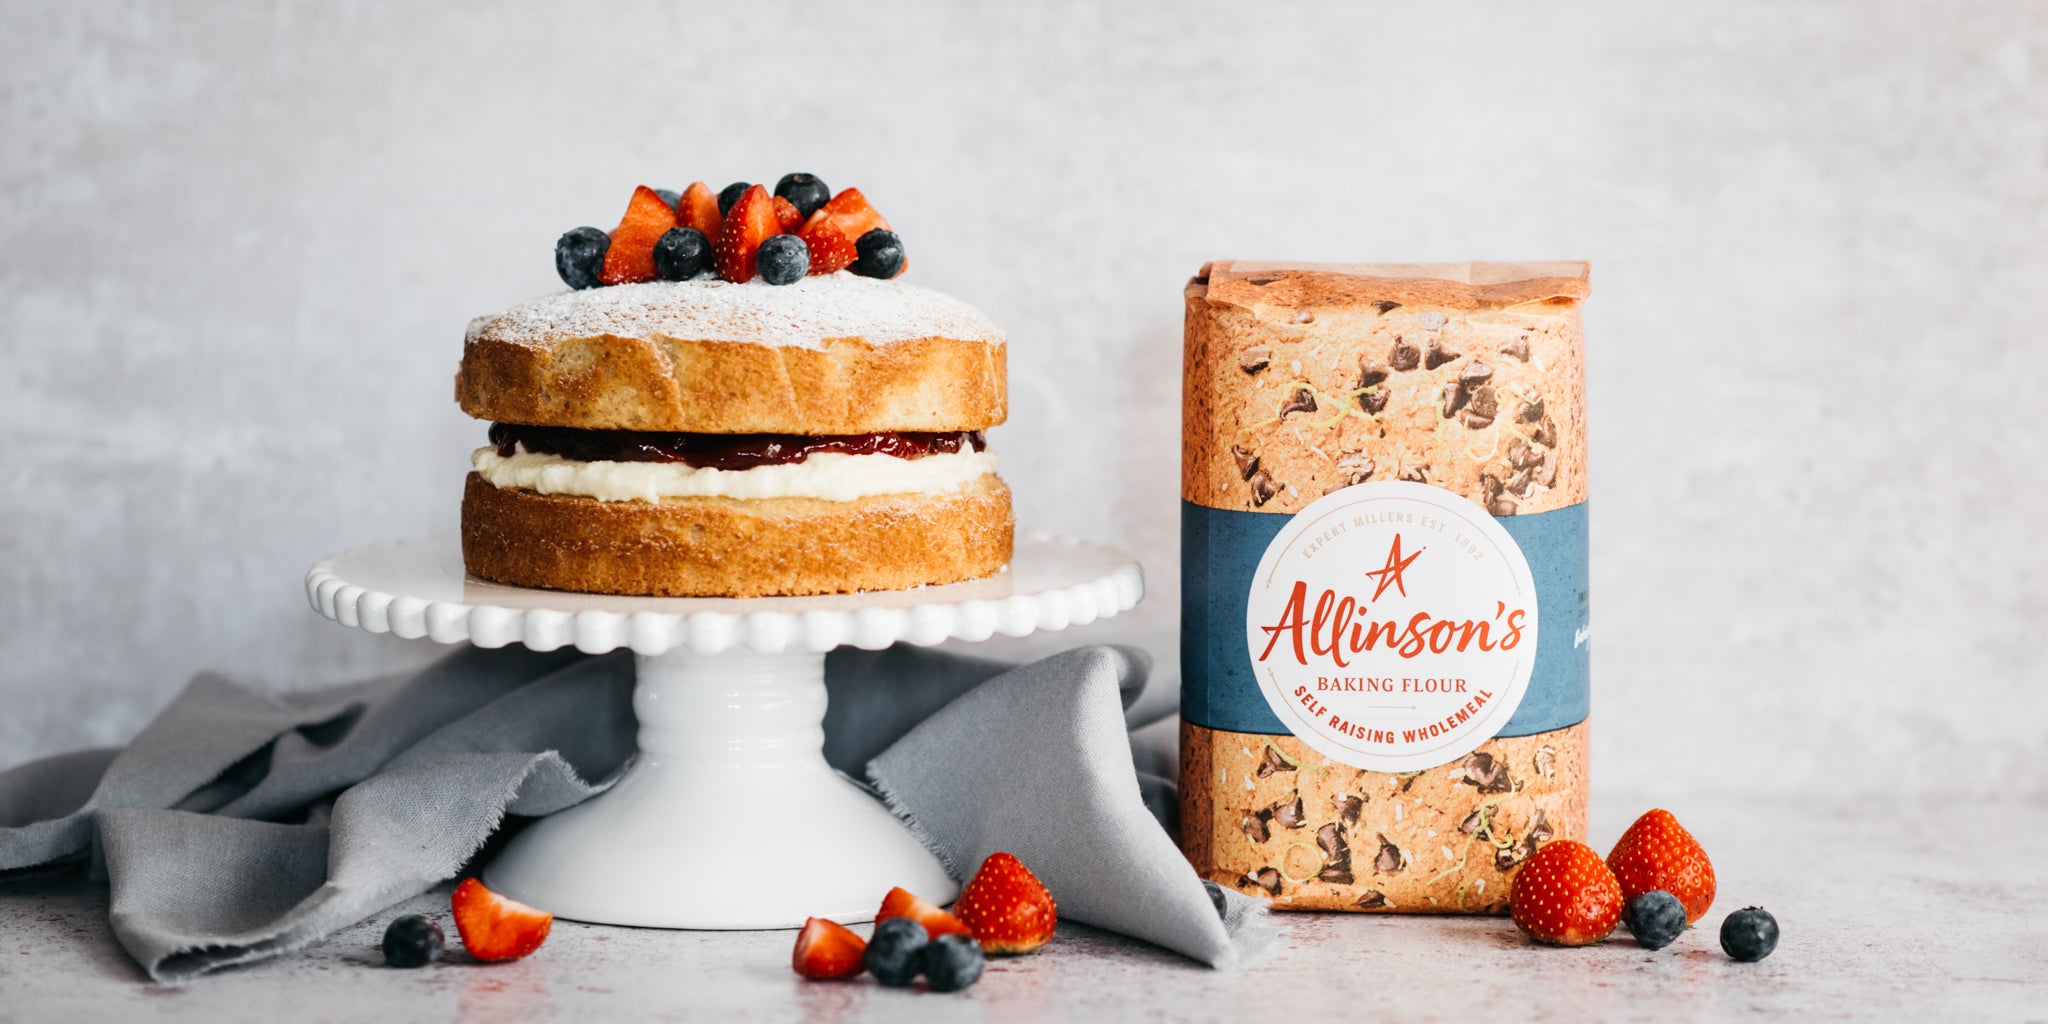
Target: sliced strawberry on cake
835	229
750	222
631	255
698	208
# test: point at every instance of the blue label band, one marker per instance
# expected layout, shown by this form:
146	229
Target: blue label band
1220	553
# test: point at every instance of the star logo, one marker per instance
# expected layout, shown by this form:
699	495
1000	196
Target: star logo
1390	575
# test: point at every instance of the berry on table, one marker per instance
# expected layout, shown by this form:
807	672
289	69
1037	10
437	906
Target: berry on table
951	962
879	253
1656	919
579	255
495	927
731	194
631	255
893	951
1564	895
804	190
902	902
681	254
750	222
412	941
1749	934
1007	907
1658	853
782	259
827	949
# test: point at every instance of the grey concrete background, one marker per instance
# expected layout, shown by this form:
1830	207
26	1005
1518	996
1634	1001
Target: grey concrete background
239	243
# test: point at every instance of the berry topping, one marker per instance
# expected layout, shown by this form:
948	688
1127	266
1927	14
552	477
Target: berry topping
827	949
1006	906
893	953
681	254
782	259
903	903
1658	853
1564	895
698	208
804	190
669	196
951	962
731	194
494	927
750	222
1655	918
829	247
412	941
787	215
631	255
579	255
879	254
1749	934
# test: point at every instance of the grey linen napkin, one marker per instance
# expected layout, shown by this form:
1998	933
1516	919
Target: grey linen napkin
241	824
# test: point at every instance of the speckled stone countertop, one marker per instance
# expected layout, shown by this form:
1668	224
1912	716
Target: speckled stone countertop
1927	913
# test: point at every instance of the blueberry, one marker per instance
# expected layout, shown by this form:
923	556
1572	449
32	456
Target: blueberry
1749	934
681	254
412	941
783	259
892	955
880	254
732	195
579	254
669	196
951	962
1655	918
804	190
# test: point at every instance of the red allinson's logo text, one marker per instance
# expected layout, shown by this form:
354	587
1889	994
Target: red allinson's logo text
1339	627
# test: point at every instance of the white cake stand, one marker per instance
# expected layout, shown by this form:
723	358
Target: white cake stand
729	817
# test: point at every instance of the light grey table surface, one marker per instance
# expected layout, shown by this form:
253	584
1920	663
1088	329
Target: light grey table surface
1921	911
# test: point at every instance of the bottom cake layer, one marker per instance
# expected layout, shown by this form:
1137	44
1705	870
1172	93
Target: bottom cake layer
1271	817
722	547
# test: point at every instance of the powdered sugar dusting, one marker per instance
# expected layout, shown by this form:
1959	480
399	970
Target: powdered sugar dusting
803	314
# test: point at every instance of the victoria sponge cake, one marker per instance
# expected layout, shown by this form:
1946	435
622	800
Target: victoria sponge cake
712	437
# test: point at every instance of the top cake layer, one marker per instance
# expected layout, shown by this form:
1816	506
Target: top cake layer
832	354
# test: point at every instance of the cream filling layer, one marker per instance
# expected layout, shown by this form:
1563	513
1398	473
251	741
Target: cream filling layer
832	476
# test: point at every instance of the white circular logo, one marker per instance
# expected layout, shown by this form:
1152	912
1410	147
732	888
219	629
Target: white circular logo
1392	626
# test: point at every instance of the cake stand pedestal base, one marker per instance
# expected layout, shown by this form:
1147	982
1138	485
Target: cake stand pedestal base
729	817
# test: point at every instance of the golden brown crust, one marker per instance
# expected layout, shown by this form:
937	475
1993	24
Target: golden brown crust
1258	286
842	386
721	547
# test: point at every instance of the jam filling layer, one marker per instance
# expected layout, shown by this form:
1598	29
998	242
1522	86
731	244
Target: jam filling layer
722	451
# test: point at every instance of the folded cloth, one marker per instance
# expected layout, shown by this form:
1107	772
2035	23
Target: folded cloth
241	824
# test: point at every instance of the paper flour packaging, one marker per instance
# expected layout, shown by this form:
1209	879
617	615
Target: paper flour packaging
1384	637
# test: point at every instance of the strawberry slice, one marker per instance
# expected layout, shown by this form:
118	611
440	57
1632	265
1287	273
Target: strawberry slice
494	927
631	256
750	222
1006	906
903	903
1658	853
827	949
1565	896
787	215
698	208
830	248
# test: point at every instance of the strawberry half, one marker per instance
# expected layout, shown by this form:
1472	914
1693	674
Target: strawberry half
698	208
750	222
903	903
1005	905
787	215
832	231
827	949
1564	895
1658	853
494	927
631	256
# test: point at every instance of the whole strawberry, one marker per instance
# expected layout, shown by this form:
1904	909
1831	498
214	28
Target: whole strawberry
1658	853
1006	907
1564	895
